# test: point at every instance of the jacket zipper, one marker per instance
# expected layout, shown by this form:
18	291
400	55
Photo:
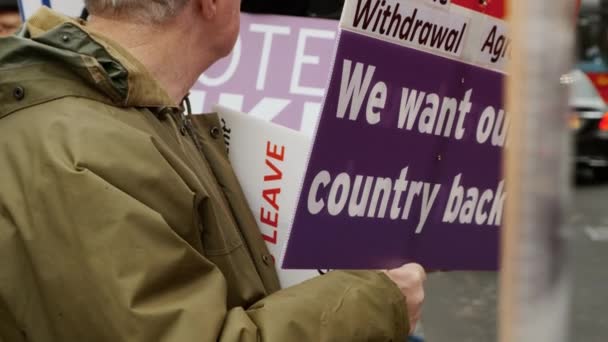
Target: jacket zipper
186	124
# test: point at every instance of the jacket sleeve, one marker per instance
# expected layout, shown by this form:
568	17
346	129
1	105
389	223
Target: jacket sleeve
108	267
339	306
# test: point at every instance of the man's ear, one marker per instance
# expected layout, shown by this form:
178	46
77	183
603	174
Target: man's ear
208	8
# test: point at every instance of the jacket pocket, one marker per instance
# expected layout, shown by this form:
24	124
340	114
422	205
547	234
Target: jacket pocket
219	235
225	248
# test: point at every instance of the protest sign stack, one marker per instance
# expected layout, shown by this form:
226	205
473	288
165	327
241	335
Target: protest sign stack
407	153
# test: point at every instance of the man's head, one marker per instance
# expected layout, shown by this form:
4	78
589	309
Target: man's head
143	11
9	17
217	19
176	40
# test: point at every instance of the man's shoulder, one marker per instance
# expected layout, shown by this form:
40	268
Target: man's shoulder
69	114
71	130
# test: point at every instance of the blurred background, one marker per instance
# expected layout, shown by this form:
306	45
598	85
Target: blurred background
311	8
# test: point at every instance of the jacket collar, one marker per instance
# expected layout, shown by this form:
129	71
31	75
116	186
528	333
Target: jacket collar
129	85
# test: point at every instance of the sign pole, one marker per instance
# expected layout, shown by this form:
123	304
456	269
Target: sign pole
535	286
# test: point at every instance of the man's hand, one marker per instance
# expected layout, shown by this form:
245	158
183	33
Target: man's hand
410	280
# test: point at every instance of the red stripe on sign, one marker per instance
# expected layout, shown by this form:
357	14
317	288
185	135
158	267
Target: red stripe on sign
495	8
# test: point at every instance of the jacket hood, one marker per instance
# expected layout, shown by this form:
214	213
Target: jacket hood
54	56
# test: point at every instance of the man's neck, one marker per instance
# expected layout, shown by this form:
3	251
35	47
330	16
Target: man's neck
173	53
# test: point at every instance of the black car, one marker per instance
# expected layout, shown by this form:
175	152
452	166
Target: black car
589	122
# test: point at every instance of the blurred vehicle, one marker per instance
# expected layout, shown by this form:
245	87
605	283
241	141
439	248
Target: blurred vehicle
589	122
592	45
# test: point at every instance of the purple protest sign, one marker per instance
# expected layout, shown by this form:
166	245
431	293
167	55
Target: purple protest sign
406	163
277	71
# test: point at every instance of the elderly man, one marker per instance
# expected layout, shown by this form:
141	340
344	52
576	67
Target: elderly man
120	217
9	17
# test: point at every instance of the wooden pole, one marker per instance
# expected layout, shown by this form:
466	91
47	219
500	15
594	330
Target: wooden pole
534	284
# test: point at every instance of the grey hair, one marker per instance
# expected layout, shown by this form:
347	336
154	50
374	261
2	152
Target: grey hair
145	11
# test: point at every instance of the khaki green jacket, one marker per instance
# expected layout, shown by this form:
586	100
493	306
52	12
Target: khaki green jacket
121	218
